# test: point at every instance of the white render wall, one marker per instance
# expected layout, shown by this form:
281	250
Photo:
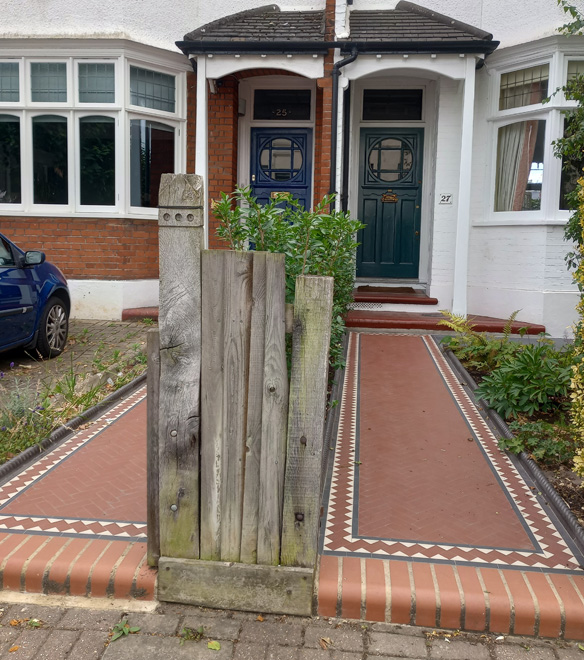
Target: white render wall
150	22
510	21
160	24
448	142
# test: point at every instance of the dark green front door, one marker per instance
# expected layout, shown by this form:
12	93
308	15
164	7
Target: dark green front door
390	191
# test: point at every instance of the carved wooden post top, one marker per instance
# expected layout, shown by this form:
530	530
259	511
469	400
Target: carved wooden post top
180	201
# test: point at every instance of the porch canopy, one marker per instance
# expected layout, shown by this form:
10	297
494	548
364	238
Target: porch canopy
409	36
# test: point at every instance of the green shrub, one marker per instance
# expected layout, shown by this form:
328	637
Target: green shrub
534	380
550	444
317	242
479	351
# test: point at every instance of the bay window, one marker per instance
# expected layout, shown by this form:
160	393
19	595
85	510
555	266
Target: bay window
49	158
10	160
528	183
88	135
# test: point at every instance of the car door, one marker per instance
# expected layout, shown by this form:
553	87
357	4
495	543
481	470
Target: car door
18	298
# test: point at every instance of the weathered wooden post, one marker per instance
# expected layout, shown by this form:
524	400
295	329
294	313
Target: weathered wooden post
306	415
180	219
152	402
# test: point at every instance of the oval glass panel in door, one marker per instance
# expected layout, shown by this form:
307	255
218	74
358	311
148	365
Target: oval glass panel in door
390	159
281	159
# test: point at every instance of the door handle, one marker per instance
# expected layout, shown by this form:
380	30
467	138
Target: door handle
253	178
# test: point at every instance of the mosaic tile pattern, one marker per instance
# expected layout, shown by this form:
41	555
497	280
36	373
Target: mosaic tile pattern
15	520
547	548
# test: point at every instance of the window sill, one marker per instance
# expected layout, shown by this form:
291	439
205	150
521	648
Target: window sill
153	215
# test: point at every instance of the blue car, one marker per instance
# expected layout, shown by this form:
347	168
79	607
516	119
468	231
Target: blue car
34	302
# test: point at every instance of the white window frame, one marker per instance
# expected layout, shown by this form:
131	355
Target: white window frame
67	61
118	163
178	159
117	91
73	110
556	55
151	111
11	208
20	102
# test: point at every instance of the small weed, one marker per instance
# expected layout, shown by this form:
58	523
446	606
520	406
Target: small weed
191	635
148	321
123	628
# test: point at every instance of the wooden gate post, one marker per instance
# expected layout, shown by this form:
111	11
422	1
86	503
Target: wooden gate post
152	485
180	220
308	386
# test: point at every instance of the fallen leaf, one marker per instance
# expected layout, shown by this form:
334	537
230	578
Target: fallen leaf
260	617
15	622
13	648
325	642
214	646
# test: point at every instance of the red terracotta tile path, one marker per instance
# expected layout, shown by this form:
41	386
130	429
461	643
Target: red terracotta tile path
422	495
74	521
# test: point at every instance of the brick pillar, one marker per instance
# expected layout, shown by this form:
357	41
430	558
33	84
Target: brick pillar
223	138
191	121
322	150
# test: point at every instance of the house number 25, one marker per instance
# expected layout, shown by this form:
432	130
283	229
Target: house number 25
281	112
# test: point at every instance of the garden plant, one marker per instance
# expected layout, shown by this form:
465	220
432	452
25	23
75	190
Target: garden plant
318	242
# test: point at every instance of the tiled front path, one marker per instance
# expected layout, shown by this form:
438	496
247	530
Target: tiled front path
427	521
74	521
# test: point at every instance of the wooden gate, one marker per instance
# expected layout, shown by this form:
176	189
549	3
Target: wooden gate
234	445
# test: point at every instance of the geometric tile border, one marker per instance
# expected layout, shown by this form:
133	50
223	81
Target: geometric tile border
70	527
551	551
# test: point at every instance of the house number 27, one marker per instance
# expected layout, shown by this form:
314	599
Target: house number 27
445	199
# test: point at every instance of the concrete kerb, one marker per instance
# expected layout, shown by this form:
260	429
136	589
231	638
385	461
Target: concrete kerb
36	451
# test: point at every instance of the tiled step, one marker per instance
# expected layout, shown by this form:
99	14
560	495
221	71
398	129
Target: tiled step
435	595
400	320
392	295
140	313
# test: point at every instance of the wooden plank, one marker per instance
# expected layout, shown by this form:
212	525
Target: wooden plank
212	265
274	414
268	589
238	285
180	221
253	438
152	388
308	386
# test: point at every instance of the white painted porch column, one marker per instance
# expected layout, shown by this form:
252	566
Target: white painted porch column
201	136
459	294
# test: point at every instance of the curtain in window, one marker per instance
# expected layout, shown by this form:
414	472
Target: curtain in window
515	155
509	152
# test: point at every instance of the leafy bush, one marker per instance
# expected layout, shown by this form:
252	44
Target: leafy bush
550	444
317	242
534	380
479	351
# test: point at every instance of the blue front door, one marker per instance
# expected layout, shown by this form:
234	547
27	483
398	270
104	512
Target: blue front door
281	161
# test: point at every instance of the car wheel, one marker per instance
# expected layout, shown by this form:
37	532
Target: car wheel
53	329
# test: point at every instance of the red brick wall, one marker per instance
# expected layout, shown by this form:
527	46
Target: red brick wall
222	146
88	248
191	121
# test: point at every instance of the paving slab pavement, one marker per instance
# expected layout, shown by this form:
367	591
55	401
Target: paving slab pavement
91	345
82	634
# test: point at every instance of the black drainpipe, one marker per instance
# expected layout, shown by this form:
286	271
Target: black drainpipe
335	111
